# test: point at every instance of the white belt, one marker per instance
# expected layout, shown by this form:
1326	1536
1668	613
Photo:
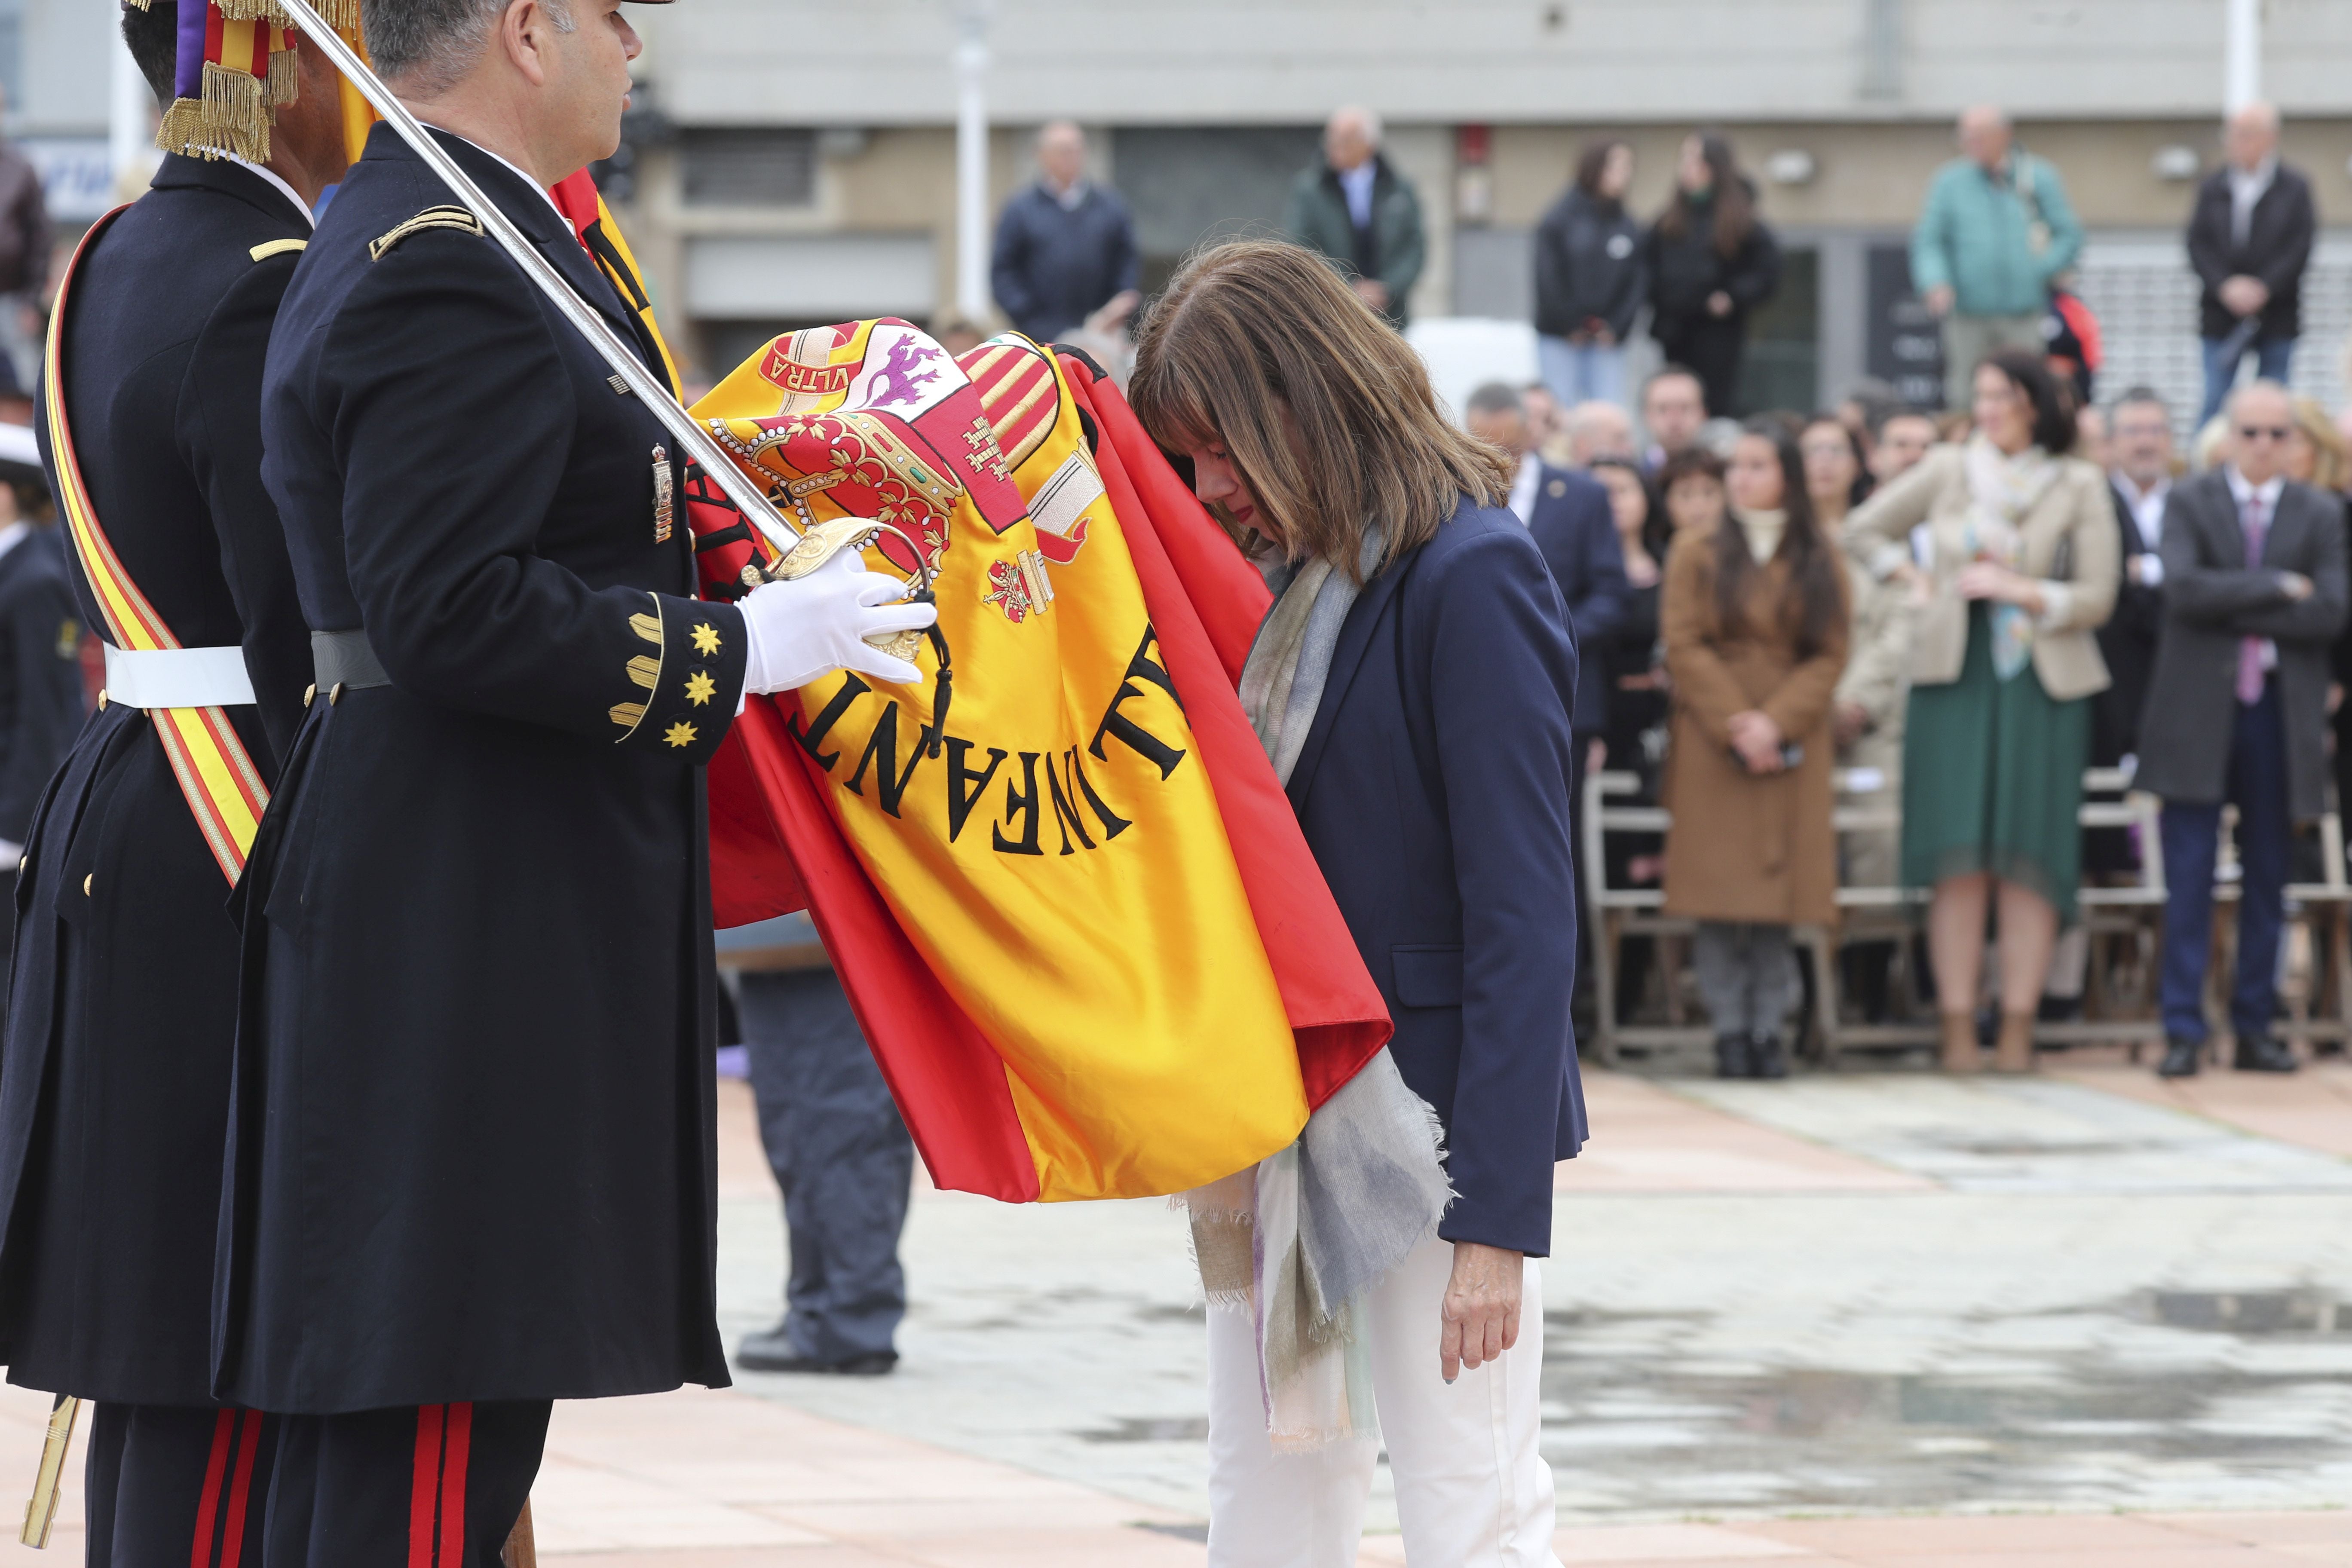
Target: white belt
178	678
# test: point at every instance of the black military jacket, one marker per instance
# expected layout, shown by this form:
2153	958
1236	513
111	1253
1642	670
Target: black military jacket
472	1151
114	1080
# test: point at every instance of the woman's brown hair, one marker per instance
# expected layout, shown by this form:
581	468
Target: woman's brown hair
1727	188
1593	162
1817	580
1326	413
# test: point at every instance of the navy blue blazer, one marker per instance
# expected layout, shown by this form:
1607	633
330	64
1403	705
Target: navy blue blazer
1433	790
1573	527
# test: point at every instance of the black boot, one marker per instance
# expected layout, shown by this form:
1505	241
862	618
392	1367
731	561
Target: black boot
2260	1053
1735	1056
2181	1057
1765	1055
773	1351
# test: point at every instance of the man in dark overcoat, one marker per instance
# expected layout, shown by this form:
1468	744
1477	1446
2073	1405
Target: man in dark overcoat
2254	594
2250	240
115	1080
470	1164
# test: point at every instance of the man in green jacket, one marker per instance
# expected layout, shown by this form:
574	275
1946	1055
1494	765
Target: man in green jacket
1997	228
1355	208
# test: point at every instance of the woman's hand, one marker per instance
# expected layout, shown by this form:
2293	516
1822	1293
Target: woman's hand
1719	304
1852	723
1757	739
1481	1317
1990	580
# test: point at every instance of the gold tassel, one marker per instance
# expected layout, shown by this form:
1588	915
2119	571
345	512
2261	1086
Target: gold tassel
267	11
183	130
342	16
231	118
236	112
142	4
285	76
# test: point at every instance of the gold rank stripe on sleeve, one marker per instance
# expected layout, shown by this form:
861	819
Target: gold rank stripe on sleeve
216	775
643	672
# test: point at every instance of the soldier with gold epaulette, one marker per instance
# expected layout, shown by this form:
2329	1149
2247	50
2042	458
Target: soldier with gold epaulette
115	1080
471	1165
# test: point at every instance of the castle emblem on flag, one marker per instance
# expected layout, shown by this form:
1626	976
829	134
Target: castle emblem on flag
1019	587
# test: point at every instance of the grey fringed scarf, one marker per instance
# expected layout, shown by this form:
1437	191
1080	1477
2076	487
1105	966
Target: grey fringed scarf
1302	1237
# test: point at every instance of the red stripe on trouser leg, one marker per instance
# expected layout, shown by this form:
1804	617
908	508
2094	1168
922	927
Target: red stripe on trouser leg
208	1503
240	1490
424	1486
452	1485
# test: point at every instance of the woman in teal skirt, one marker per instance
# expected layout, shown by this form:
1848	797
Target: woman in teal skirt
2021	571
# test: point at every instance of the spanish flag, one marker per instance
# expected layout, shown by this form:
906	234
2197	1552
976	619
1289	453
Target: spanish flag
1074	911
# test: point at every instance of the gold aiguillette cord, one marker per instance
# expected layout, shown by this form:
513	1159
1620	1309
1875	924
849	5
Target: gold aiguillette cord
43	1509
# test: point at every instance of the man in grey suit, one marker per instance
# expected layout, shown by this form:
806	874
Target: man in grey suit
2237	713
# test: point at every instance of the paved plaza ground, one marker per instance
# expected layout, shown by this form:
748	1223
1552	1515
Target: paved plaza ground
1867	1318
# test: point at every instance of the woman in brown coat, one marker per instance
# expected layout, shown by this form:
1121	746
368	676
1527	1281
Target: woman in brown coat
1754	618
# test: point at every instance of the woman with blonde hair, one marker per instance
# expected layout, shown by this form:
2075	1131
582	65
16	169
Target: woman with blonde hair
1411	686
2317	454
2315	449
2025	566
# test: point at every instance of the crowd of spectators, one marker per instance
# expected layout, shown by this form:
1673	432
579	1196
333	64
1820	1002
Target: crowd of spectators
1963	615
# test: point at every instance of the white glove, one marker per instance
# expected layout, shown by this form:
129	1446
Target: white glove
797	631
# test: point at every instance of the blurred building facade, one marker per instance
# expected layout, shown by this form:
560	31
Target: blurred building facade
807	169
795	161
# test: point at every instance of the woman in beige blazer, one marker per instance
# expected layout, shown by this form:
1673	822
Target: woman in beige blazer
2021	569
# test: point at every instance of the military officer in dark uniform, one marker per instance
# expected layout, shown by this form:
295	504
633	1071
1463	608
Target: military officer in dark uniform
472	1149
115	1082
41	703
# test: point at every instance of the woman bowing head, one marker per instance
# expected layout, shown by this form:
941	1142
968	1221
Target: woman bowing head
1413	686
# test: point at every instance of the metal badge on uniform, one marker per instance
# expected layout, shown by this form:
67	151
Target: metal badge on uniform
1559	489
665	499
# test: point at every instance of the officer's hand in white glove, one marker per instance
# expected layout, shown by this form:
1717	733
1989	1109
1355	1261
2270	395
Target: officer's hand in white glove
799	630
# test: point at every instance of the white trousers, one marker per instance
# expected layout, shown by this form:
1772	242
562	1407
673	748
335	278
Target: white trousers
1471	1488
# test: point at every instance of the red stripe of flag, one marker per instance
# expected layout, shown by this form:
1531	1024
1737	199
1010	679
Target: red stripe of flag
948	1081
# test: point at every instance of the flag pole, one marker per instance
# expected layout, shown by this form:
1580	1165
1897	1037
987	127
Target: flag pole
697	442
